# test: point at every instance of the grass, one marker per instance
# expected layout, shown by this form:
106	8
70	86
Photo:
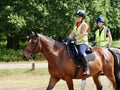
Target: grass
24	62
116	44
25	79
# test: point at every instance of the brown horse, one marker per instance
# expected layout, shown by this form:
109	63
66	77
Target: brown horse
61	66
117	52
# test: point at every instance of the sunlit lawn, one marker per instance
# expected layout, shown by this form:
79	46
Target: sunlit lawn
24	79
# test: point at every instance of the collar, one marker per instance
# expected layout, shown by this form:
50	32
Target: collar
78	23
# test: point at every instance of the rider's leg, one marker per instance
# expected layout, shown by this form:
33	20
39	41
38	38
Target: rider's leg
81	51
85	61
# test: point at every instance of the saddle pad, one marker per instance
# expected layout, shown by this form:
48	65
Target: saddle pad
90	57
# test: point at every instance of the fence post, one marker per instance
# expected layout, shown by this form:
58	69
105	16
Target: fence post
33	66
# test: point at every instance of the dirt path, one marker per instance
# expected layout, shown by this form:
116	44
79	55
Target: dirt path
22	65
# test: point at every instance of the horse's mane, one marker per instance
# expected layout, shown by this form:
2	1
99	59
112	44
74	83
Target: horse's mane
52	41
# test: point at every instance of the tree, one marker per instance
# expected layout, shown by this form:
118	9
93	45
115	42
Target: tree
54	18
11	23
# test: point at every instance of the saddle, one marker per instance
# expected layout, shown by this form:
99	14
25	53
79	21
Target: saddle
73	52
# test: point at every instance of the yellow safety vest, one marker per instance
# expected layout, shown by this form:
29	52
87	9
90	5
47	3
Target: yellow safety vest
102	39
78	31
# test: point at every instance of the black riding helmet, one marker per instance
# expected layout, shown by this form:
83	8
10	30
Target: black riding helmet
80	13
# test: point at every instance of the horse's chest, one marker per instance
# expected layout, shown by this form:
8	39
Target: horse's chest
55	71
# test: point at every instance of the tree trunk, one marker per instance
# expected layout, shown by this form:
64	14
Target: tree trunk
12	42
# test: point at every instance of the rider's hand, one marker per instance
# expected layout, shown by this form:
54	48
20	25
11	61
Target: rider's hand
108	46
94	44
66	39
72	40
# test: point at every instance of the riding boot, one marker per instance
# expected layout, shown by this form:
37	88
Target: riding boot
86	69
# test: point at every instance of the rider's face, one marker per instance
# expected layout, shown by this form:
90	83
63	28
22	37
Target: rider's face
79	18
100	24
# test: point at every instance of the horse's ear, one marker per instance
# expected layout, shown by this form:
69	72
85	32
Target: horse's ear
30	31
36	34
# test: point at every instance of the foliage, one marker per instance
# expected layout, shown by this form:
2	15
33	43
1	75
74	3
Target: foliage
55	18
10	55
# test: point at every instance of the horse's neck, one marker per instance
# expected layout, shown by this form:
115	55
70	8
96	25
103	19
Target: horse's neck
49	45
52	51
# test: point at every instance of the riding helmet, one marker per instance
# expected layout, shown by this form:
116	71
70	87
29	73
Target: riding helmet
100	19
80	13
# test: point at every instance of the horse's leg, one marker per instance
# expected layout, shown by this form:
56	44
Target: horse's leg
52	82
97	82
109	72
83	84
69	82
111	77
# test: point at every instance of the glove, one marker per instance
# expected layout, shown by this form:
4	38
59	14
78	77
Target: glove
66	39
72	40
108	46
94	44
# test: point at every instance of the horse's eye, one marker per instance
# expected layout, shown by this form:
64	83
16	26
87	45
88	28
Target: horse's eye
34	40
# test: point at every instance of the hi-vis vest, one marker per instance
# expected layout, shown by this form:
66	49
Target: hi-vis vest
102	39
78	31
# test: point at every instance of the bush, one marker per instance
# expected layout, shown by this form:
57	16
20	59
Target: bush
10	55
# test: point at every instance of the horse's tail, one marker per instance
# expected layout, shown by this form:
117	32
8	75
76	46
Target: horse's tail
116	71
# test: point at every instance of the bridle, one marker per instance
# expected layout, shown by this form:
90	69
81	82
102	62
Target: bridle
32	51
35	45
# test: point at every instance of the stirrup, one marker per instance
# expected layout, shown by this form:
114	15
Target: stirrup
86	72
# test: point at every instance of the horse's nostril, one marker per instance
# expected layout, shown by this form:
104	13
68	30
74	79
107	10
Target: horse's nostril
24	57
31	55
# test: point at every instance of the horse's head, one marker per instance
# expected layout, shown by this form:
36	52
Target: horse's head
32	47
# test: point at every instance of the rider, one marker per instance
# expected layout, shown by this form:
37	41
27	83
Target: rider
102	35
79	35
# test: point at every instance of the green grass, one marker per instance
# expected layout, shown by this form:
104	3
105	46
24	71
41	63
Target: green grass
24	62
15	72
116	44
25	79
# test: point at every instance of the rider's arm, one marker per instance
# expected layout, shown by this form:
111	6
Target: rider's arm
71	35
109	36
84	31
